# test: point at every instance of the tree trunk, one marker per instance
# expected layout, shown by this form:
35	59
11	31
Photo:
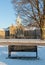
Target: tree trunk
42	27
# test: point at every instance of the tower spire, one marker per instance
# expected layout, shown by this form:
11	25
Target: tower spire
18	21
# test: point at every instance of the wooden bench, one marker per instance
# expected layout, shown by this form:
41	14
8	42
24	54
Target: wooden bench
21	48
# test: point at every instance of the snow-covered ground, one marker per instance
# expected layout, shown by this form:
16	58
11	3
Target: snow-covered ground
4	60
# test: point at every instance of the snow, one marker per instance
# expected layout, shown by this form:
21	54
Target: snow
1	63
4	60
31	28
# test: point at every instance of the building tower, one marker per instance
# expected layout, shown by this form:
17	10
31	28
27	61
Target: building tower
18	21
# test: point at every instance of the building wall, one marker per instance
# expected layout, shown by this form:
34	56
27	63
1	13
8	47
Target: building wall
2	34
12	29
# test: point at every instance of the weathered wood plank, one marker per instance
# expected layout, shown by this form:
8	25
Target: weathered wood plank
22	42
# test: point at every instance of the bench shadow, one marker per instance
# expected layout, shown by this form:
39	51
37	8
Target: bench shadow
24	58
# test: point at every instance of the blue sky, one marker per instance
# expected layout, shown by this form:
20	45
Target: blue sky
7	13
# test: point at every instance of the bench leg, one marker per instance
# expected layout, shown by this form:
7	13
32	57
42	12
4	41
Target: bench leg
36	52
36	55
9	54
9	51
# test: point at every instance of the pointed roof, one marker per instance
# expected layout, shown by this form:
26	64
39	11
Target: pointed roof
18	20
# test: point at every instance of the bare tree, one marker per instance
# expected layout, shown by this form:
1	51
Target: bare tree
32	10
